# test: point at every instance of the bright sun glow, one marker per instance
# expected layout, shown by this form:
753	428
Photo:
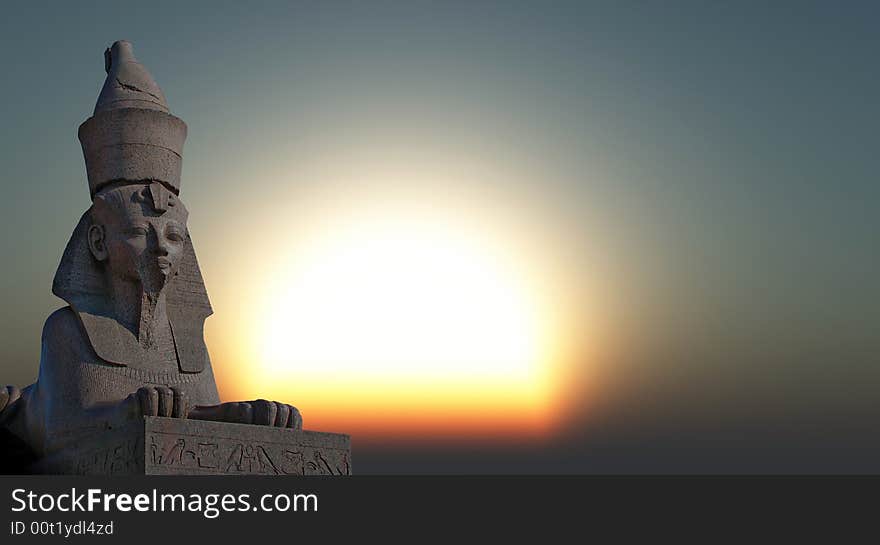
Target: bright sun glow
402	301
406	315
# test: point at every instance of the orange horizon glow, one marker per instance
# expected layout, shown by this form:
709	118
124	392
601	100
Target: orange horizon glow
371	419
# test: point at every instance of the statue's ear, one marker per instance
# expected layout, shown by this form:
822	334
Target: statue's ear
97	245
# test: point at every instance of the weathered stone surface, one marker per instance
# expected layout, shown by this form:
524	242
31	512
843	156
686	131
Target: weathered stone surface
130	345
169	446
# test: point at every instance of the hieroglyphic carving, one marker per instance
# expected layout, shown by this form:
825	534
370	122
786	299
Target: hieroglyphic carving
169	446
169	453
120	458
295	463
250	458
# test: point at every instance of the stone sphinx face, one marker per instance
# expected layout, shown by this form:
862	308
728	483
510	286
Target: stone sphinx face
139	231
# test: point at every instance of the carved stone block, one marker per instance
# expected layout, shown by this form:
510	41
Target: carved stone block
171	446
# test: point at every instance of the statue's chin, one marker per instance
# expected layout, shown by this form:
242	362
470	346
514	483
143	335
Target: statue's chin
154	282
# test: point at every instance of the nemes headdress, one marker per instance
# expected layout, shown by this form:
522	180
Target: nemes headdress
132	138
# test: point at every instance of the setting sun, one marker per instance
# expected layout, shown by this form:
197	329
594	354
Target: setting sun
410	305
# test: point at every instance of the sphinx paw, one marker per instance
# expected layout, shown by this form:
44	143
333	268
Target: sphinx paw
162	401
274	413
262	412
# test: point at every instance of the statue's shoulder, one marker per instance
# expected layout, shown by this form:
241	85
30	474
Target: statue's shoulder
62	324
63	343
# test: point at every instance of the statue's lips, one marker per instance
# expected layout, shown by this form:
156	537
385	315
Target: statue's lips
164	263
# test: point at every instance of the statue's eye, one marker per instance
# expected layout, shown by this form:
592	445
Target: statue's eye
175	236
138	231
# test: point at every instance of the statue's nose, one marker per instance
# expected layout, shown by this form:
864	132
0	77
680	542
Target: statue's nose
162	245
158	242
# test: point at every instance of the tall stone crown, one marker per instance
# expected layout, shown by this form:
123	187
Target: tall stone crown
132	135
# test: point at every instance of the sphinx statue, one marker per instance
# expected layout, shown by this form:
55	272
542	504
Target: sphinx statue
130	343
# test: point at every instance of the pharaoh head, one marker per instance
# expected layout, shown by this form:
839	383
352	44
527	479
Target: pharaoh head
135	232
138	233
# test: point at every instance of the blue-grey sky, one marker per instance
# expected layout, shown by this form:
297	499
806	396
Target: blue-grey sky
699	178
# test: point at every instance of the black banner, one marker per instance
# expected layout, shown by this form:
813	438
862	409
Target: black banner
235	509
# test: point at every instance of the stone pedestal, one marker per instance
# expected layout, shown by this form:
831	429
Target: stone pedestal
170	446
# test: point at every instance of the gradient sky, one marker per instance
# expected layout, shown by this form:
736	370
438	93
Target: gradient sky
671	209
